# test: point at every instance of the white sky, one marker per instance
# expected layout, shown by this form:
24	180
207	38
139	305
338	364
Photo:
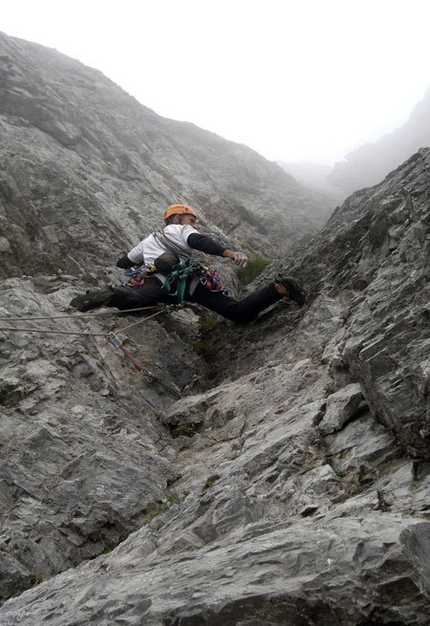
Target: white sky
297	80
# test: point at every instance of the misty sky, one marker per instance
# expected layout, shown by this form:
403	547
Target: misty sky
296	80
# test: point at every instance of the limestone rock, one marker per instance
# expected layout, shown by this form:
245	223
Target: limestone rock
86	171
289	484
341	407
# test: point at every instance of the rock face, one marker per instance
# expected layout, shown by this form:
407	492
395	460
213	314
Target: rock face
288	485
85	171
371	162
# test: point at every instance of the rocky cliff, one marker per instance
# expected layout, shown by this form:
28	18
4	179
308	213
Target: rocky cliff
276	473
85	171
369	163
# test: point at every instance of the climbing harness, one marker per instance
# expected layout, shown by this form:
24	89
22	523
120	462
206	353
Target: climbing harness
191	272
176	282
178	275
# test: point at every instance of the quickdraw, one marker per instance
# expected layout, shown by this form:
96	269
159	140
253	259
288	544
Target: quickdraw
136	275
117	343
212	280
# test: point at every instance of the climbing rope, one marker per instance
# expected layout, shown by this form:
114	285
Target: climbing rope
69	332
144	319
110	337
80	315
44	331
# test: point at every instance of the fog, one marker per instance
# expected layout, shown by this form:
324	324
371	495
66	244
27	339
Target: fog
296	81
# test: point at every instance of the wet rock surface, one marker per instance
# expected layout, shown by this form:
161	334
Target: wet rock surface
289	484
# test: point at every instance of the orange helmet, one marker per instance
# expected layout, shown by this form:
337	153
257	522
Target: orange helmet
178	209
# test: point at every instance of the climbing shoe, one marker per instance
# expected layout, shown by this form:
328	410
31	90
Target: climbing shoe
293	289
92	299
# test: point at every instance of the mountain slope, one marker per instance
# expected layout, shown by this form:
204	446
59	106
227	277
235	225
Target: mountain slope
86	171
287	484
290	481
371	162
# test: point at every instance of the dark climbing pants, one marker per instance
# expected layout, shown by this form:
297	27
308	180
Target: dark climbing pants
241	311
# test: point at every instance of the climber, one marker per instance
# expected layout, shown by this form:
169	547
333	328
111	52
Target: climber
162	250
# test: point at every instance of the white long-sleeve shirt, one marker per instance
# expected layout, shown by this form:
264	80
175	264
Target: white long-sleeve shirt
151	247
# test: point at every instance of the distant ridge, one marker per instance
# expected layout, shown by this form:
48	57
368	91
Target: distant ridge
371	162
